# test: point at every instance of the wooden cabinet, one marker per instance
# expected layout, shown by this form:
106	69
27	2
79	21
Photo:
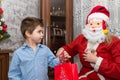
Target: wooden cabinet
4	64
58	21
57	17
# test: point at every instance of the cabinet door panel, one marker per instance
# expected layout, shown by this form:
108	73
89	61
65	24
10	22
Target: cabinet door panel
0	70
57	18
4	64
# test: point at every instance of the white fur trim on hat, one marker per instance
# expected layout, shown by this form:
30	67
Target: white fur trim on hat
99	16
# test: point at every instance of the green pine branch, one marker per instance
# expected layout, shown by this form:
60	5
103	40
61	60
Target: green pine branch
5	36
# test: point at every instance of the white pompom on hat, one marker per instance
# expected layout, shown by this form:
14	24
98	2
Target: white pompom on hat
99	12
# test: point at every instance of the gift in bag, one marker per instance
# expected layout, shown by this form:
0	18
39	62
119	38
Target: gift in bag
66	71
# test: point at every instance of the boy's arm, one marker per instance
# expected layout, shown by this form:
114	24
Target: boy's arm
52	59
14	69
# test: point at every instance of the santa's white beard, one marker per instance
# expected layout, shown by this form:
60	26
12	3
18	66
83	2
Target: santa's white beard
94	37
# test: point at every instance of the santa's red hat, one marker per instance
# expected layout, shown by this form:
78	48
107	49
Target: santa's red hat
99	12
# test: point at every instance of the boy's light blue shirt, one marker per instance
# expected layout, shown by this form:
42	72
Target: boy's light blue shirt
29	65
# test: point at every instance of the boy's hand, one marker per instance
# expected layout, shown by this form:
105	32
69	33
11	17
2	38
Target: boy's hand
63	55
60	50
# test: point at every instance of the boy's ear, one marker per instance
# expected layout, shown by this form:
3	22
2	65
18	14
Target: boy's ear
27	33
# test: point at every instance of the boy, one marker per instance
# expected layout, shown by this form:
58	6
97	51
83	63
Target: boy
31	60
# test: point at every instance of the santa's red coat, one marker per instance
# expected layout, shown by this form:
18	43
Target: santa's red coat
109	68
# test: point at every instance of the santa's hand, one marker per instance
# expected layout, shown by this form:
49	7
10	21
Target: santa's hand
90	57
66	55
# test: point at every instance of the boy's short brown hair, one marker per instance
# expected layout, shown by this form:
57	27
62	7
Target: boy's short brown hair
29	24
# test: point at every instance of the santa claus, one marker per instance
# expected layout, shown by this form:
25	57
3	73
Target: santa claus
98	49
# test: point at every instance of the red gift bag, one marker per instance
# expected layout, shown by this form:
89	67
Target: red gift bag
66	71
